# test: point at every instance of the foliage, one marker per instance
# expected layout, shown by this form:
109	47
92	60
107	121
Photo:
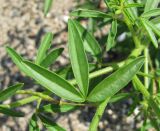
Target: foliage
139	20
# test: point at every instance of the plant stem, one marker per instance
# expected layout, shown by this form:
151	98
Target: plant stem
136	52
146	80
101	72
147	96
130	27
50	99
98	115
21	102
146	75
38	103
141	87
40	95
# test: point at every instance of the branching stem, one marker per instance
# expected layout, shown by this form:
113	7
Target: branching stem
50	99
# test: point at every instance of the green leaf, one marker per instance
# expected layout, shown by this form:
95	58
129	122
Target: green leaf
108	5
147	95
150	33
151	4
65	72
153	27
10	91
57	108
51	57
47	6
44	46
130	5
16	58
119	97
33	124
116	81
154	106
78	58
112	35
49	124
23	101
151	13
89	13
132	12
11	112
140	87
156	20
90	43
52	82
154	123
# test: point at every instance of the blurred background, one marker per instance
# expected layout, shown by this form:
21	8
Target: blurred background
22	25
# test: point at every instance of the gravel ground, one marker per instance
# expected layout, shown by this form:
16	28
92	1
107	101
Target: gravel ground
22	24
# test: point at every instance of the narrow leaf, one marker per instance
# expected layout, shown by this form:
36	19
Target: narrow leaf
52	82
112	35
48	79
23	101
49	124
16	58
78	58
107	2
33	124
51	57
90	43
119	97
147	95
47	6
5	94
116	81
44	46
150	33
57	108
134	5
89	13
132	11
65	72
151	4
156	20
10	112
153	27
151	13
154	106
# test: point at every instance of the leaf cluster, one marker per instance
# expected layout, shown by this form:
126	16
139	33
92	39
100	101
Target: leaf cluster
91	84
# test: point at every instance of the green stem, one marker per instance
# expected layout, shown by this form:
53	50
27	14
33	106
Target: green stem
40	95
146	75
38	103
130	26
146	80
101	72
50	99
91	25
141	87
98	115
21	102
147	96
136	52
